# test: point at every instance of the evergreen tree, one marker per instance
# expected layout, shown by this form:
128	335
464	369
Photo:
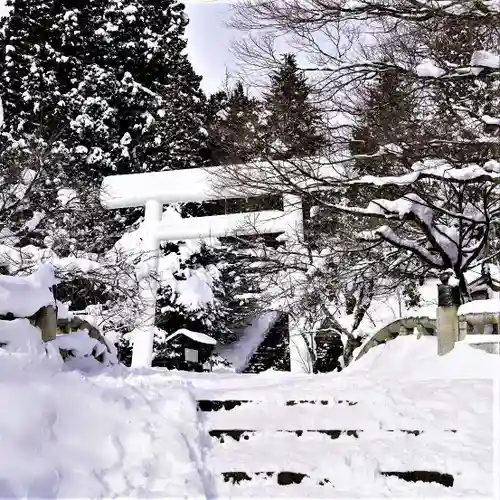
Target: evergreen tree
196	299
111	80
109	86
232	124
292	126
106	86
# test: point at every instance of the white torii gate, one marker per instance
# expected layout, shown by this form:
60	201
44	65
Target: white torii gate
152	190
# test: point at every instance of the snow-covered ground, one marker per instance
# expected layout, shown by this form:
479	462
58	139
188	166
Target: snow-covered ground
115	432
69	434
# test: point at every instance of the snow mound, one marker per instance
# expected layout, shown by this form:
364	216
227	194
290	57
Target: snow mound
488	306
409	357
113	434
24	296
19	336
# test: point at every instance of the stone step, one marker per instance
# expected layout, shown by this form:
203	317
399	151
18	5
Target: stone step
286	478
209	405
246	434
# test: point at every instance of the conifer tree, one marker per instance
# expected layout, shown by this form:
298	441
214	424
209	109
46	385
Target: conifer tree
110	78
106	86
233	122
292	126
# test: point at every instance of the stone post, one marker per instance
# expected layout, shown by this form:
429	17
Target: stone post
46	320
447	316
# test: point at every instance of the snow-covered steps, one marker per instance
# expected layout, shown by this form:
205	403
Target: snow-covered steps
286	478
230	404
372	442
245	434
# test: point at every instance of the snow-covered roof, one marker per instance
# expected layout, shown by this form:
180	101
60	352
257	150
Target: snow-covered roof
196	336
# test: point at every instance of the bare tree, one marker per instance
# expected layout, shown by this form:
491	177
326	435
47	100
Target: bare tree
446	170
428	199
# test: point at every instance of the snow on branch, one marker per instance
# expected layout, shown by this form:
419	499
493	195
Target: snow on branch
438	170
387	234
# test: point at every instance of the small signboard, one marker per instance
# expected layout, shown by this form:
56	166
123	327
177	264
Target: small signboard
191	355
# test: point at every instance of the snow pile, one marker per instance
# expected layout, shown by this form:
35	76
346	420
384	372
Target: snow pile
80	345
24	296
488	306
19	336
428	68
112	434
409	357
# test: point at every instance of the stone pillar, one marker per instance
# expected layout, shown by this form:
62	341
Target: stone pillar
300	357
142	351
447	316
463	327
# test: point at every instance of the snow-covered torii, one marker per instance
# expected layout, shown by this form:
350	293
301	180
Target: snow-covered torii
153	190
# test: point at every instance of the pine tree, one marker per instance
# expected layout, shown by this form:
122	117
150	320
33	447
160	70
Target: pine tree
293	123
108	85
233	121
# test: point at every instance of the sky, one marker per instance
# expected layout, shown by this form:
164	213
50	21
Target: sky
208	40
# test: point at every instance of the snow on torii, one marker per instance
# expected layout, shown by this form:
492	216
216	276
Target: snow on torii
152	190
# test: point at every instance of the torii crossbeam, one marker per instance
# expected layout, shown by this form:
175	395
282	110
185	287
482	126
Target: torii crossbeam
153	190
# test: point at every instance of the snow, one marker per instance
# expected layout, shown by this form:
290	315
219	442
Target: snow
117	432
270	221
435	170
410	357
482	59
67	196
109	434
214	183
410	203
490	120
488	306
24	296
428	68
79	343
240	352
402	385
196	336
19	336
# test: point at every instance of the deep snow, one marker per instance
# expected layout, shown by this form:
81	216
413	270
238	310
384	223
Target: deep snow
115	432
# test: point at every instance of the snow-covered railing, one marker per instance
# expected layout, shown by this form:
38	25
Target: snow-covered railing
473	317
153	190
32	298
